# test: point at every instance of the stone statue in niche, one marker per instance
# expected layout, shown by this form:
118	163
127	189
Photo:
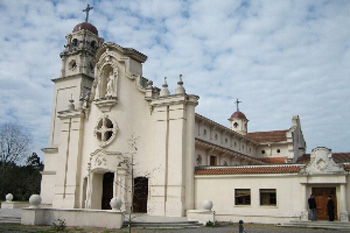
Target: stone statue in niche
110	86
97	91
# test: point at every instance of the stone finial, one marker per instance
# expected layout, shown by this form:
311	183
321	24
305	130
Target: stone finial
116	203
180	89
34	201
149	84
207	205
165	90
9	197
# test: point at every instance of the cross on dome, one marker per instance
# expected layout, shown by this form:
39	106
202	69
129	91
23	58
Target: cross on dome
237	103
86	10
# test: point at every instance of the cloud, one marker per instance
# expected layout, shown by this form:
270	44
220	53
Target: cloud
281	58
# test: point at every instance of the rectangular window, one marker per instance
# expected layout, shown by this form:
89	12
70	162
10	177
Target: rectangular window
242	196
268	197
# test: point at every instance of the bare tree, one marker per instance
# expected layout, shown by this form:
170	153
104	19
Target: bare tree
14	143
129	160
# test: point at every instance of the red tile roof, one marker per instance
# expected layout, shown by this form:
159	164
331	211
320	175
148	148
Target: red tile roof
341	157
247	170
337	157
278	160
347	167
305	158
269	136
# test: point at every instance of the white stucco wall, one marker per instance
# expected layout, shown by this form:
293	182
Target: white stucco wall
220	190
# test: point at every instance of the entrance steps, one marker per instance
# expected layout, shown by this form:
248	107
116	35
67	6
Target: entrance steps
10	220
157	222
336	225
10	216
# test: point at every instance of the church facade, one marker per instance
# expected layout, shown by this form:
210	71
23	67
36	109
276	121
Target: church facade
115	134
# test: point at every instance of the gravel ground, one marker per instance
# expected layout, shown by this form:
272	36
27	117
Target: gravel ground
249	228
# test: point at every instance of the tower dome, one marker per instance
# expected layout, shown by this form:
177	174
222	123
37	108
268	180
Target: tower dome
86	26
239	115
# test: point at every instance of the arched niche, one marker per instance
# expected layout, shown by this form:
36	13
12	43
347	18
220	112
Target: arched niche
106	87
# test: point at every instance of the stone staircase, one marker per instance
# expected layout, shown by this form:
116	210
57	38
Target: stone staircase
10	220
12	216
336	225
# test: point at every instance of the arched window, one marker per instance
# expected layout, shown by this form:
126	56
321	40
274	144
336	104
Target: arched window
75	42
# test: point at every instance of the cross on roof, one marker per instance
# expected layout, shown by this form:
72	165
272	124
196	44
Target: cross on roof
86	10
238	102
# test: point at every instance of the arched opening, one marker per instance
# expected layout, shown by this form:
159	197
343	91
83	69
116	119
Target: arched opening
107	71
140	195
75	42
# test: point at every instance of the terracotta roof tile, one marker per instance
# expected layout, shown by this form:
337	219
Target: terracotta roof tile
247	170
270	136
278	160
305	158
341	157
337	157
347	167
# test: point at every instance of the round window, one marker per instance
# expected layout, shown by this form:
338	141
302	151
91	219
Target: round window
105	131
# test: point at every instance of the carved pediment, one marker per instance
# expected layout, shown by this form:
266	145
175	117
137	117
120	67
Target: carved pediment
105	160
321	162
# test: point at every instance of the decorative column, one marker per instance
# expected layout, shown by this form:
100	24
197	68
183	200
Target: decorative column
121	187
303	203
344	214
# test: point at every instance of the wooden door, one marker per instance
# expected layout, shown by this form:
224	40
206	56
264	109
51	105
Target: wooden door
140	195
107	193
321	197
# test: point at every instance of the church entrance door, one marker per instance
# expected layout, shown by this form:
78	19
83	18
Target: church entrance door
321	197
107	193
140	195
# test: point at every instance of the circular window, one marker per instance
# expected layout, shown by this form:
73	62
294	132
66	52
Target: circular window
105	131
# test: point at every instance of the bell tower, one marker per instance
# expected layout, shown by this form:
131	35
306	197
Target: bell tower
238	121
77	72
80	49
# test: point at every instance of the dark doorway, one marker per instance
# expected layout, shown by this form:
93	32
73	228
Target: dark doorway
140	195
321	197
212	160
107	193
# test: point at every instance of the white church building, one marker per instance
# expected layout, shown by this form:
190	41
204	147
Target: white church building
111	128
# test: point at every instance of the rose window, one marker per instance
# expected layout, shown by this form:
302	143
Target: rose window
105	131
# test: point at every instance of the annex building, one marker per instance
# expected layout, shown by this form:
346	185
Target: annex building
112	130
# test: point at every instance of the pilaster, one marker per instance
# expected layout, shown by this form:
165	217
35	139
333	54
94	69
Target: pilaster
173	186
67	188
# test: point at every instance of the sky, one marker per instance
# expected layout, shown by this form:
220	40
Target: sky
280	58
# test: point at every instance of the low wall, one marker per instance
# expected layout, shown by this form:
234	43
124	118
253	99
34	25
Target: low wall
73	217
13	205
202	216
